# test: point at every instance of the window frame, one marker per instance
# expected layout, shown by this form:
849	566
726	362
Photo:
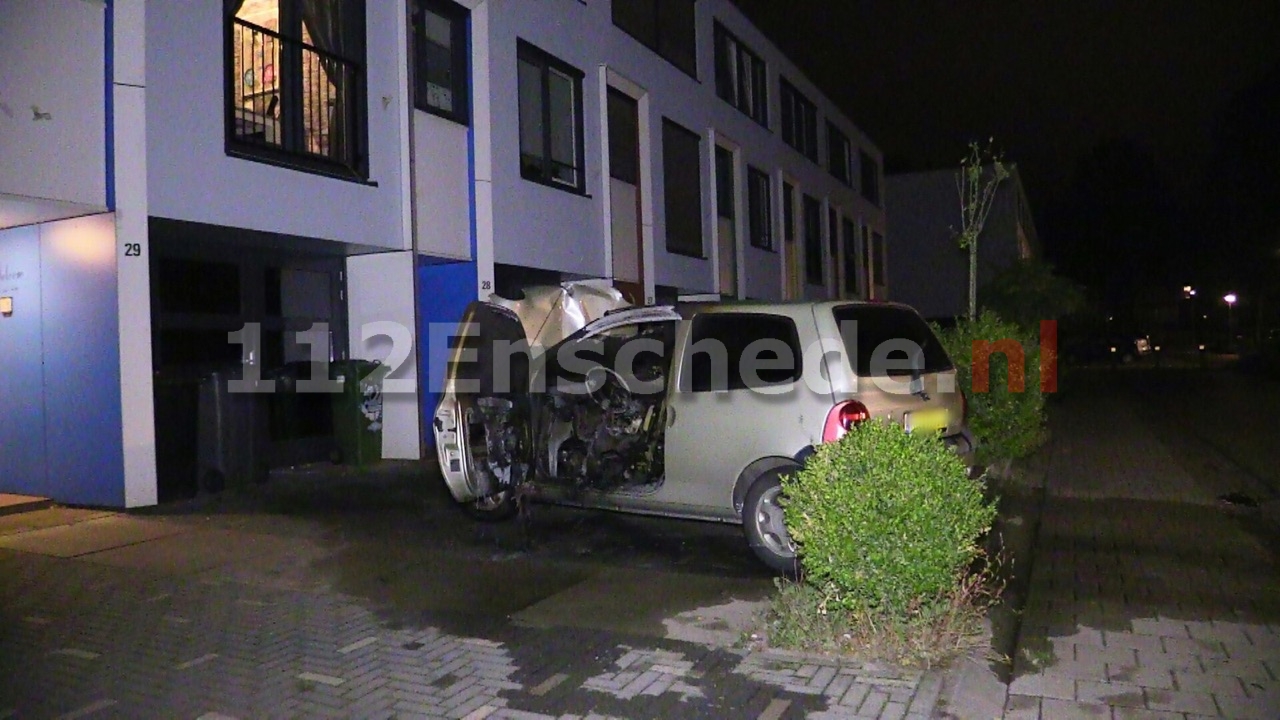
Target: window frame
546	63
291	85
799	120
661	39
837	140
667	167
459	18
747	66
760	224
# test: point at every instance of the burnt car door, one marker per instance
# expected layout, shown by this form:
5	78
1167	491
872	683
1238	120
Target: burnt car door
481	425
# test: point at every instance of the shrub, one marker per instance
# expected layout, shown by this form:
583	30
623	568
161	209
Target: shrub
1007	424
887	521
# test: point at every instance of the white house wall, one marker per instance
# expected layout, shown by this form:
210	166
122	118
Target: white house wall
543	227
191	177
53	101
441	187
381	319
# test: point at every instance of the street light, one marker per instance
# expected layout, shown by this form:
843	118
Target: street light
1230	300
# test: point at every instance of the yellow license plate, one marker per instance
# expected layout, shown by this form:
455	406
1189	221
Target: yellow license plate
931	420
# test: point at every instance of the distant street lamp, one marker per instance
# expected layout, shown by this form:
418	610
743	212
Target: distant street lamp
1230	300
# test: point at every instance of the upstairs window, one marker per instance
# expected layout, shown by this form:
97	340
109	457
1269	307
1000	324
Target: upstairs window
550	99
760	208
682	185
440	67
799	121
812	209
295	84
838	155
664	26
741	80
870	177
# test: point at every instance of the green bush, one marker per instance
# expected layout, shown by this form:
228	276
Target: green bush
887	521
1006	423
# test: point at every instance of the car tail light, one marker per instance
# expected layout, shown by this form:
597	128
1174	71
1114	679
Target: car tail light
842	418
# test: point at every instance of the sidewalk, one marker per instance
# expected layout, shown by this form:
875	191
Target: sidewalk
245	614
1148	597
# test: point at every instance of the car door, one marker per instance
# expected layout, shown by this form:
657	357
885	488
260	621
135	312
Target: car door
725	413
481	423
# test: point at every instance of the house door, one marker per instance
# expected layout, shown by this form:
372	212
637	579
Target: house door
726	221
624	195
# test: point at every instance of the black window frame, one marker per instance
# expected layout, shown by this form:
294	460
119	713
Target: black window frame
869	176
671	165
747	65
799	120
760	209
839	155
541	171
811	229
663	37
288	147
877	259
697	375
459	18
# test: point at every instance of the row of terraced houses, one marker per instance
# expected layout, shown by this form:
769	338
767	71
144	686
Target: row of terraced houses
327	171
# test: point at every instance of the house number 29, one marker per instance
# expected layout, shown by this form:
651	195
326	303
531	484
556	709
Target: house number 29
133	249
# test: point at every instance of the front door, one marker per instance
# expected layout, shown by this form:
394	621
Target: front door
624	195
793	283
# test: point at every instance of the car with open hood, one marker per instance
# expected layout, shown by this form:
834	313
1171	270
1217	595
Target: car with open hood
694	411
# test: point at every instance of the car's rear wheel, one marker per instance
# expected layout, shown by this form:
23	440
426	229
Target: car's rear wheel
765	525
495	508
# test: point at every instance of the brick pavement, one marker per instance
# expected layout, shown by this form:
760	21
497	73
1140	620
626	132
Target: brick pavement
1148	598
102	635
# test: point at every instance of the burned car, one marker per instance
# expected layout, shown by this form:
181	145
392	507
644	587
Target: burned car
693	411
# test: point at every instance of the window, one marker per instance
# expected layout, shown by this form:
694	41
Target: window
877	259
550	120
788	213
736	351
440	74
682	181
740	77
665	26
867	328
624	137
870	177
833	241
295	84
759	209
812	240
838	156
850	256
724	183
799	122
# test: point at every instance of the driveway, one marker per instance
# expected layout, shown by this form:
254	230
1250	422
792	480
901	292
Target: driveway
329	593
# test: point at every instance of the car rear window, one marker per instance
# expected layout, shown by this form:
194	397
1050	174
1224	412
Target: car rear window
866	328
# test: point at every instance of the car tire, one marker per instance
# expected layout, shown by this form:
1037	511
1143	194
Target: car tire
764	524
499	507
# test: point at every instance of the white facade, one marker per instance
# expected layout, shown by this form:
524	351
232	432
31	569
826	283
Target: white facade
125	109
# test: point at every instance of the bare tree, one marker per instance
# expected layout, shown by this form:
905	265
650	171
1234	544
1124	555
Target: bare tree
980	174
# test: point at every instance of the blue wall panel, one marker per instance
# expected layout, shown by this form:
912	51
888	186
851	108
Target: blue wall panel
22	466
85	461
444	291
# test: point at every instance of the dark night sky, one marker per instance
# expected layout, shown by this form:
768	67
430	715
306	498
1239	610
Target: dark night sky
1049	81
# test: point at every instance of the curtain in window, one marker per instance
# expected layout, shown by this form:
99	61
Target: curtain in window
334	31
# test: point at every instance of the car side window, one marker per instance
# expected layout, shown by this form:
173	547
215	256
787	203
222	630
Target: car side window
737	351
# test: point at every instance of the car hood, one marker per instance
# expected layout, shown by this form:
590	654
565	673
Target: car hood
551	313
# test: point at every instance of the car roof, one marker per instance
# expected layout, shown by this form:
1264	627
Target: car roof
791	308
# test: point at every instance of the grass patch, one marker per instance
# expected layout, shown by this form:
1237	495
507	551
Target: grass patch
802	618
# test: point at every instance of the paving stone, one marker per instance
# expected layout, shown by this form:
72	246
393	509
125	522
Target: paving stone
1181	701
1051	709
1022	707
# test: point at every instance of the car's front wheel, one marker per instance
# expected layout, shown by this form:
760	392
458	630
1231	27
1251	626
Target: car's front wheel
498	507
765	525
